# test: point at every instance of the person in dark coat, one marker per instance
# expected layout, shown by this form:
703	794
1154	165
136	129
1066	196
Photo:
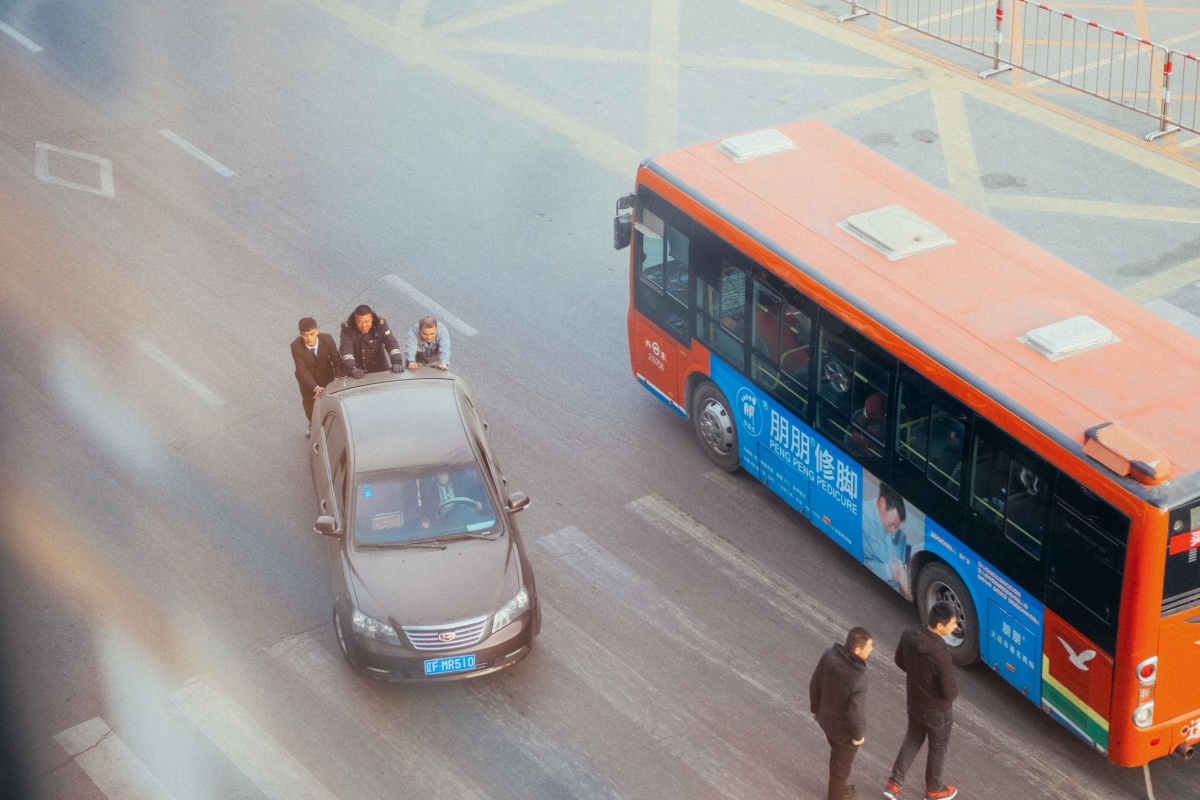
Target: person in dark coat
368	345
930	689
317	363
837	697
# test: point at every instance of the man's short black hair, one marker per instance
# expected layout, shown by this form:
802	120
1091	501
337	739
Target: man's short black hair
307	324
893	500
858	637
363	310
427	323
941	612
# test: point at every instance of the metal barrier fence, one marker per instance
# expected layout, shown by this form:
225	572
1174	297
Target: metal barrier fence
1056	46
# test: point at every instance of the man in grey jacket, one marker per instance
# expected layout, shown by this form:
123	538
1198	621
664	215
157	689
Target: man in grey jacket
427	345
837	697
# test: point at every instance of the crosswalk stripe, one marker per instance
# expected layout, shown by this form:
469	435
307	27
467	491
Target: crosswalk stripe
745	572
671	725
244	742
109	763
424	771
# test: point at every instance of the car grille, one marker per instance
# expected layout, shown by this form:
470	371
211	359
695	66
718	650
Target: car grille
446	637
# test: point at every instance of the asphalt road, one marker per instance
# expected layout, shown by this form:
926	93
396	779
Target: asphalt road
180	182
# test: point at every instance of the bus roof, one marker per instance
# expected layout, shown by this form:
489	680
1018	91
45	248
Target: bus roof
968	303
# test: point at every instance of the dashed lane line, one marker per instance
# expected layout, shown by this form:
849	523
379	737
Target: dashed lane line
182	375
196	152
25	42
430	304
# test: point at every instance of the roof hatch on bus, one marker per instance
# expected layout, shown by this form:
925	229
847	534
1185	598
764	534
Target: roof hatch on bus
1068	337
1125	454
759	144
895	231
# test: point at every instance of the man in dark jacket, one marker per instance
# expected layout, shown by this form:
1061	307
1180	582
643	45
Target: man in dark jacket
930	688
837	697
368	345
317	363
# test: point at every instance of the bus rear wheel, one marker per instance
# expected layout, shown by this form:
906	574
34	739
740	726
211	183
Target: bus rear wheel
714	426
937	582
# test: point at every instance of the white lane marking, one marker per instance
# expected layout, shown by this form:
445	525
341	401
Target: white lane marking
594	562
670	725
244	742
41	168
328	680
1023	756
184	377
746	573
192	150
109	763
438	310
29	45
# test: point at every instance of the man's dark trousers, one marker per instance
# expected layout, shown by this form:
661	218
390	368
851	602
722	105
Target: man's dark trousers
935	727
841	757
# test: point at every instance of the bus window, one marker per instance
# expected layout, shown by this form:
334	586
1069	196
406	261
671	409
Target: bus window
853	385
1085	554
931	433
779	358
661	244
721	283
1011	490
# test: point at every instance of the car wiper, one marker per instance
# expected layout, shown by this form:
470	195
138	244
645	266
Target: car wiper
432	544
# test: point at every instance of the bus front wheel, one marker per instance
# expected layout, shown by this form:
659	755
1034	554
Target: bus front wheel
714	426
937	582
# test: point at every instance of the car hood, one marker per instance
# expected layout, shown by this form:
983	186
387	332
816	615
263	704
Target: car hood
424	586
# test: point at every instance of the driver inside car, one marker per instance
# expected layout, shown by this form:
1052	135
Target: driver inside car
442	495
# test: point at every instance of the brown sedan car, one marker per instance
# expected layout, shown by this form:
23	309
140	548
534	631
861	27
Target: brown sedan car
430	578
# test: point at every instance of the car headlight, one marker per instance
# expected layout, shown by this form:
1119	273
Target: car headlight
368	626
512	610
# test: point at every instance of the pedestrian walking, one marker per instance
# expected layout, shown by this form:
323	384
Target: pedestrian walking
930	688
317	362
837	698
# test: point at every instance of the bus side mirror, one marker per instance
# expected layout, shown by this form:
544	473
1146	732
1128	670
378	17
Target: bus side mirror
623	222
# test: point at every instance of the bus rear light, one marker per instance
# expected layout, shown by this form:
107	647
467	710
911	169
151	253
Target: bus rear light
1147	671
1143	716
1145	695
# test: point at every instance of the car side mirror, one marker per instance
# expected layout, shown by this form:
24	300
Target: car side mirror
517	501
327	526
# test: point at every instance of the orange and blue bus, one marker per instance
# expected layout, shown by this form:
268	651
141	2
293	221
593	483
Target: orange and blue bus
965	414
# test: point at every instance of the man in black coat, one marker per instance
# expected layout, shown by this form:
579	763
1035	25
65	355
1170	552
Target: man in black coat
837	696
317	363
930	689
367	344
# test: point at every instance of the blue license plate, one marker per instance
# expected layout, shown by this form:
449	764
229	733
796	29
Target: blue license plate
441	666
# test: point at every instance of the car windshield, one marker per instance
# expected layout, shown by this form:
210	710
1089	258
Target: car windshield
401	506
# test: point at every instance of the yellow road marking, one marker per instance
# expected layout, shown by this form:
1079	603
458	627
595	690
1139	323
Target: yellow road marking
662	89
1164	282
958	148
1095	208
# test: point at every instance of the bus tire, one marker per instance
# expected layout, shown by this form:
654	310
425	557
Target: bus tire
713	422
938	582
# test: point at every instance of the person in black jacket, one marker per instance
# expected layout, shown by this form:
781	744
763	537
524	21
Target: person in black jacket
930	689
317	363
367	344
837	697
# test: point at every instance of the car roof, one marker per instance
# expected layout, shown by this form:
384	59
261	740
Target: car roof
401	421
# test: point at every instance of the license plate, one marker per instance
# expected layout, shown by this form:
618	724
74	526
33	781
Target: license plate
440	666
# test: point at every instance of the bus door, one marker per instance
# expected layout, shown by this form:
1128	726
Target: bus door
659	334
1177	693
